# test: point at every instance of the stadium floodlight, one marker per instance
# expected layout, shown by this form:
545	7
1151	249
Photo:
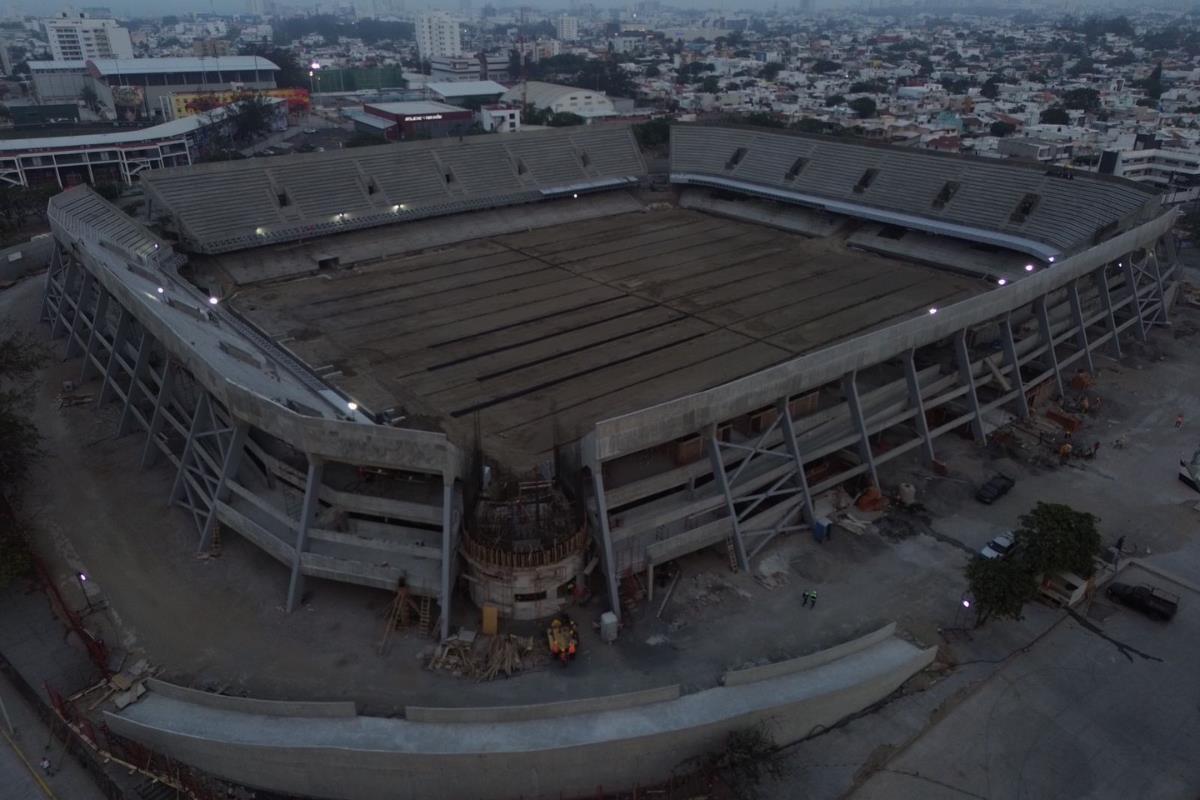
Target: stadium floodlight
161	290
260	231
575	195
315	64
212	301
353	406
1029	267
1002	281
396	207
933	311
1051	259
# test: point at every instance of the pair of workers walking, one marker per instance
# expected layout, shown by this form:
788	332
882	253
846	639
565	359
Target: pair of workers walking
810	598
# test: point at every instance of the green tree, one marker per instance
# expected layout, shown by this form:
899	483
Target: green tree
1001	129
90	98
20	355
1056	538
863	106
653	133
990	88
1082	99
251	119
834	100
710	85
291	74
824	66
1153	85
1055	115
770	71
564	119
652	71
1001	587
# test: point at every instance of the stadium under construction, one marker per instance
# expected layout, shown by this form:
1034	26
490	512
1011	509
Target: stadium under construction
479	367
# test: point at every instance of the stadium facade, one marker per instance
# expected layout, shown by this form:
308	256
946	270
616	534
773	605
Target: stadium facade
343	356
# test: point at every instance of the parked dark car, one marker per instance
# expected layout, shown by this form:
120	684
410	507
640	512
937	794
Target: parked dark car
1150	600
996	487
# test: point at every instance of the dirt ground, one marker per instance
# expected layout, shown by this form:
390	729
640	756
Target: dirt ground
220	622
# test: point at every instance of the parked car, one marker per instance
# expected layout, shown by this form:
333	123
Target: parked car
1150	600
996	487
998	547
310	130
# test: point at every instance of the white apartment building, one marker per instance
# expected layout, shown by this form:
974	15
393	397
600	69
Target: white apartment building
438	35
77	37
1176	172
567	28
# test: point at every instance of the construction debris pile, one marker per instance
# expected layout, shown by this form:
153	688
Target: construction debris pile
486	658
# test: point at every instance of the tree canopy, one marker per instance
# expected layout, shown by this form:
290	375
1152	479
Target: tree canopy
1055	115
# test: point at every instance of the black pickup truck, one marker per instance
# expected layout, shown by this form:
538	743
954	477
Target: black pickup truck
1150	600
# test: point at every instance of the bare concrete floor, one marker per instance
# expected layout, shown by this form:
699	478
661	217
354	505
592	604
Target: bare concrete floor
536	335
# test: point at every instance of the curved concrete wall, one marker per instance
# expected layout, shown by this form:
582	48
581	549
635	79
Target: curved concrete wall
739	677
566	708
250	705
368	757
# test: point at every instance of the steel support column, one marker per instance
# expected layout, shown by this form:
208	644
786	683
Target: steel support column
967	376
67	270
150	452
718	468
98	319
1100	277
135	383
118	344
308	513
1081	337
854	404
199	413
85	287
1158	279
918	404
229	468
1135	302
610	565
1014	365
789	437
1047	337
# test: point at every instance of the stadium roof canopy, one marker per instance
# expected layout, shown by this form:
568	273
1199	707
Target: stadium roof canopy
1031	208
140	66
234	205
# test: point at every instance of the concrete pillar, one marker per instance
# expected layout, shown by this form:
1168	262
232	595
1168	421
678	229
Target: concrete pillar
610	563
850	389
1158	279
1014	365
1047	338
1081	337
447	551
718	468
967	376
118	344
918	404
308	513
99	320
789	438
229	468
1100	277
150	453
58	326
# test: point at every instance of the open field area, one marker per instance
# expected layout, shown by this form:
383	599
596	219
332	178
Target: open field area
539	334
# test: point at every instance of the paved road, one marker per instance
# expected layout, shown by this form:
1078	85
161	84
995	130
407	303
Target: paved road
1077	716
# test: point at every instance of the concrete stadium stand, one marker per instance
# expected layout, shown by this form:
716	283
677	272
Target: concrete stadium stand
608	748
249	705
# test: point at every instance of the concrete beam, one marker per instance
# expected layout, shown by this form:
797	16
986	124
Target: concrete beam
850	388
308	514
606	547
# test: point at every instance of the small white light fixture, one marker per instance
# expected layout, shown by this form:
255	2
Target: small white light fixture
575	195
212	301
933	311
396	207
1051	259
1002	282
1120	264
161	290
966	603
1029	267
82	576
353	406
315	64
259	231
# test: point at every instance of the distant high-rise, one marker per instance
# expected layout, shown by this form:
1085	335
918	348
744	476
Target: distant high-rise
438	35
77	37
567	28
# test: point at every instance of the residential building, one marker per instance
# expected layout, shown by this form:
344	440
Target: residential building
453	68
500	118
79	37
567	28
437	35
